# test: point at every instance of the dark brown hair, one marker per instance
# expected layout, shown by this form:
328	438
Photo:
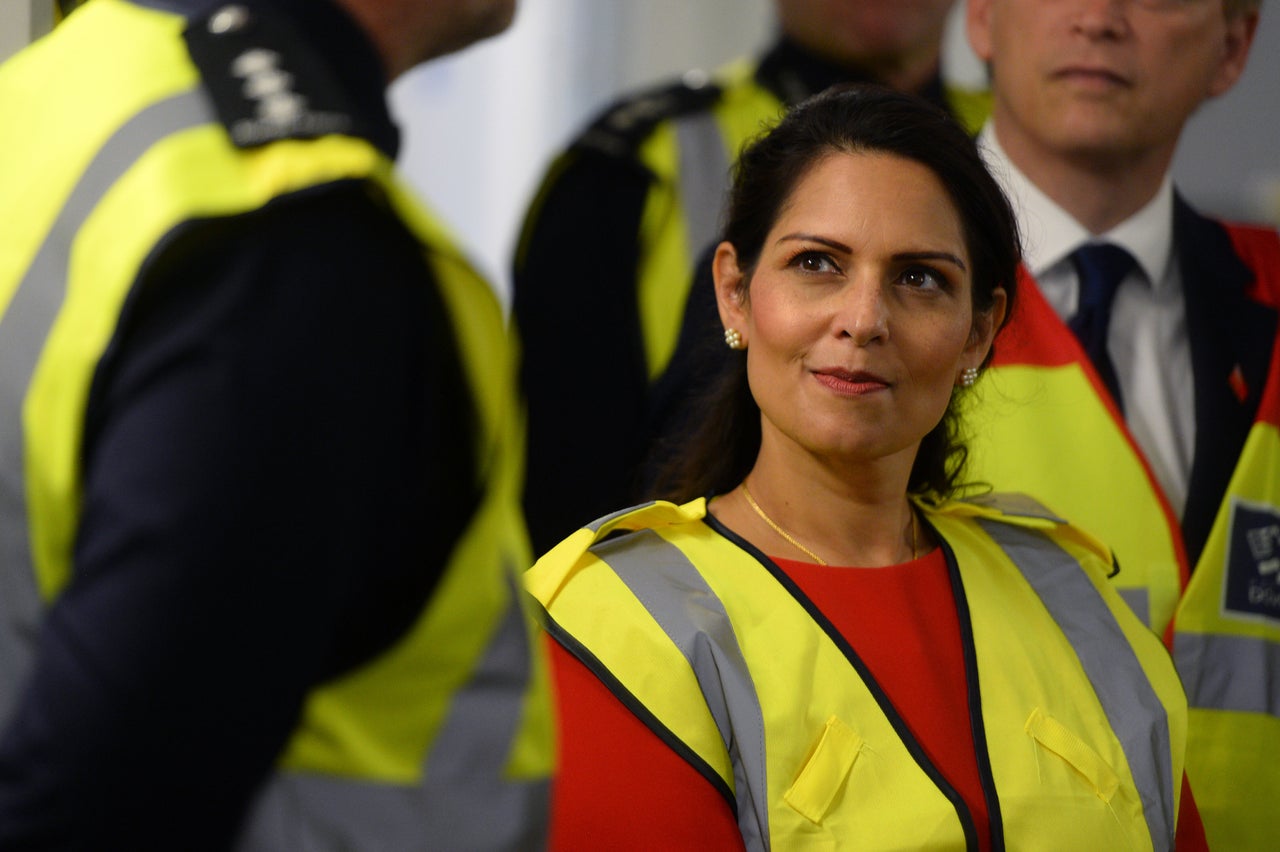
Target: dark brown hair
721	449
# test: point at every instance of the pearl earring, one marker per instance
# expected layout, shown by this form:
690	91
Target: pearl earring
733	339
968	376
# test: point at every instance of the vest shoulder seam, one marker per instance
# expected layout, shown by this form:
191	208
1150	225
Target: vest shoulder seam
621	129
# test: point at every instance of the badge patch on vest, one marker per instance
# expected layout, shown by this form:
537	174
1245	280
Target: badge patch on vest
1253	562
264	82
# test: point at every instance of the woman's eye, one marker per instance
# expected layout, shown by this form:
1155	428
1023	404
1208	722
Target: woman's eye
922	278
814	261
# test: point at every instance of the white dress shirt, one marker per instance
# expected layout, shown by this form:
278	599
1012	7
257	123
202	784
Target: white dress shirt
1147	339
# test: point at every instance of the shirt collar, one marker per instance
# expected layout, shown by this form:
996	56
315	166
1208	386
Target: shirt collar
1050	234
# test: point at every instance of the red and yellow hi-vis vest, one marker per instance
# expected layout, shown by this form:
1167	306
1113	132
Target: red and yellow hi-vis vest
1078	716
1044	426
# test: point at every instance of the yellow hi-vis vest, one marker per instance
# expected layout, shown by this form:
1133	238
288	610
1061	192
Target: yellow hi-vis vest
1045	426
689	157
1077	714
1226	639
392	755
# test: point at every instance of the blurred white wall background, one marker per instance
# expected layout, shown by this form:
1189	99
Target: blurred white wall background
1229	158
481	126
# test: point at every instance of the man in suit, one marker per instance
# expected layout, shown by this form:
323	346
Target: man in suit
1138	391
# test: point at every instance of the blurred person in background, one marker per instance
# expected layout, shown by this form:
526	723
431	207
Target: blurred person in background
259	523
1138	392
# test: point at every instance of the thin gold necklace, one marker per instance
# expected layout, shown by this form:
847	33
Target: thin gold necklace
751	501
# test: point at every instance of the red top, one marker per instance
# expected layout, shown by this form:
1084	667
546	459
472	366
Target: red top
620	787
902	622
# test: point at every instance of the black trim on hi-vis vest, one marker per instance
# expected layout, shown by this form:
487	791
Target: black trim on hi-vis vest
977	725
624	125
886	706
637	708
265	82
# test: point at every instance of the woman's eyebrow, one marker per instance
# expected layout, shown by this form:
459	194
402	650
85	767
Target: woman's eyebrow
814	238
945	256
932	255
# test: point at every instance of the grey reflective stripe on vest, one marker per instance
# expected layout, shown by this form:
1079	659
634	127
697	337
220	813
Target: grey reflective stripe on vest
1108	660
464	802
1235	673
470	802
1016	504
24	328
704	177
601	522
1139	600
680	601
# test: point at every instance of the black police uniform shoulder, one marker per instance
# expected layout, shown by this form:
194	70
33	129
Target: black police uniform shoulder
624	125
265	82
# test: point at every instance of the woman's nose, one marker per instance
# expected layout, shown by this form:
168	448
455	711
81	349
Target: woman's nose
863	312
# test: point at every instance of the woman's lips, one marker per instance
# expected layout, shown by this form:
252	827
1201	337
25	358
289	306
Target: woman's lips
850	382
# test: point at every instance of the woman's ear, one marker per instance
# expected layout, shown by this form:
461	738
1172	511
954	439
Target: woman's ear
985	326
731	292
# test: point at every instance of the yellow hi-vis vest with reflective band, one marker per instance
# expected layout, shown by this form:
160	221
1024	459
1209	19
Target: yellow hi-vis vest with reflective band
690	158
1042	393
1078	717
1226	639
392	754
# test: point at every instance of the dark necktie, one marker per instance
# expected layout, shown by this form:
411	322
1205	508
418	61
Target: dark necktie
1101	267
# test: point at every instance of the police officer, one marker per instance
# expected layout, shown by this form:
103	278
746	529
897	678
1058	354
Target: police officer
257	497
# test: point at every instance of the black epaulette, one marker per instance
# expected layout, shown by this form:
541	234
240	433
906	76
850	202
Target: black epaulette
624	125
266	83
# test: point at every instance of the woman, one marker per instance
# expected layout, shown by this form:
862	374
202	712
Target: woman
831	652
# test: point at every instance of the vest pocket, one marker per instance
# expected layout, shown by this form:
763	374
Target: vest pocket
1079	755
825	771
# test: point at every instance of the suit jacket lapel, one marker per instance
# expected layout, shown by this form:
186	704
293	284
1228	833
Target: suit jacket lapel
1231	340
